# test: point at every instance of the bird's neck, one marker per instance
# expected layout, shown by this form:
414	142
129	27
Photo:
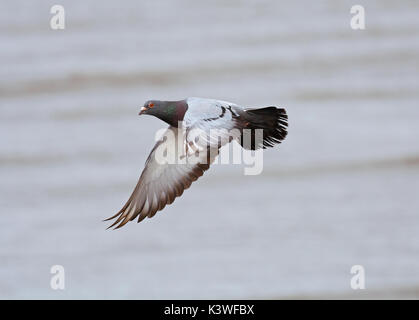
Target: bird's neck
173	112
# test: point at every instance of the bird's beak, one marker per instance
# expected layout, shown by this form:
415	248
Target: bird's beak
142	111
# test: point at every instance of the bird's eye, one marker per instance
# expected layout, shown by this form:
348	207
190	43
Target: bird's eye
151	105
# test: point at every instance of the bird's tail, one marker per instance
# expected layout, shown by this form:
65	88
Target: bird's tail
272	120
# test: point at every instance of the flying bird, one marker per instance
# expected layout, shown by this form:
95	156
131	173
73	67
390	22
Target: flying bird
198	128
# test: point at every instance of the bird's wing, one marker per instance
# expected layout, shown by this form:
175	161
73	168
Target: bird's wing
167	173
211	123
200	109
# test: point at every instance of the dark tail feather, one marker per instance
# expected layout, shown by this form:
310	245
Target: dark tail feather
274	123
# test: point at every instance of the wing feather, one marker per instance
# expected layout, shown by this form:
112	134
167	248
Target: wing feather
161	183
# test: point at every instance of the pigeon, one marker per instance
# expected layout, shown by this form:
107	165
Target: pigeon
161	182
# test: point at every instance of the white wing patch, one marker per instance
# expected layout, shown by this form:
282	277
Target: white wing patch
211	123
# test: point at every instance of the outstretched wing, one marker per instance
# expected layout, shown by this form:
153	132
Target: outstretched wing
168	172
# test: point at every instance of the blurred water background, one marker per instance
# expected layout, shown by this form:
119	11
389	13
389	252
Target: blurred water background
342	190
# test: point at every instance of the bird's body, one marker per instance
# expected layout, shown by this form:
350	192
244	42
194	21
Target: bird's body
197	129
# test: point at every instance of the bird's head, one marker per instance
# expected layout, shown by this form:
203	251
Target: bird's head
151	107
168	111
